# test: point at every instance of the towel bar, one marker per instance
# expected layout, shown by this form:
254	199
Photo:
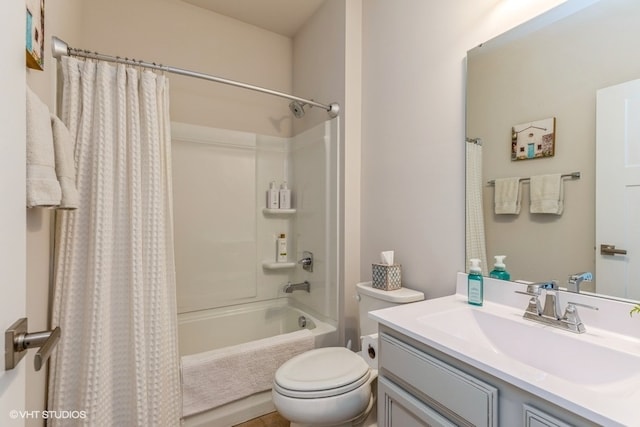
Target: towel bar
572	175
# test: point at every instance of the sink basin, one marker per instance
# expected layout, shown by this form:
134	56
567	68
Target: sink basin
578	358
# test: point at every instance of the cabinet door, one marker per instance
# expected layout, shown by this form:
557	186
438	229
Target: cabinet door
534	417
460	397
398	408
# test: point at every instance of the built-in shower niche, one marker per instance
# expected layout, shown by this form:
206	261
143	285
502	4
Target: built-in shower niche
225	238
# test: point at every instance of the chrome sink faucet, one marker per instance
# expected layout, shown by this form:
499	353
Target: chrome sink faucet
550	313
573	284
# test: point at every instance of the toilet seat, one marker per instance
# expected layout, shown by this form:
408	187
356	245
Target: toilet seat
321	372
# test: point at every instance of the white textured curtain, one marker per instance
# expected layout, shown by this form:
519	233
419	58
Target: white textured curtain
476	246
114	296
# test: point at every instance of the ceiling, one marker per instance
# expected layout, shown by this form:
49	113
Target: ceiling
284	17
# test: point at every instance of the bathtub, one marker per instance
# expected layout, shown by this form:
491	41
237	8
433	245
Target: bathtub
218	329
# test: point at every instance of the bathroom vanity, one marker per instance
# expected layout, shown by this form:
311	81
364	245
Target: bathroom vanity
443	362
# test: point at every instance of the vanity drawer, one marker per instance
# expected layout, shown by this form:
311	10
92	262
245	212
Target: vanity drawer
400	409
455	394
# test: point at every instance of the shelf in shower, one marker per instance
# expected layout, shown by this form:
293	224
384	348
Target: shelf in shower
271	265
278	211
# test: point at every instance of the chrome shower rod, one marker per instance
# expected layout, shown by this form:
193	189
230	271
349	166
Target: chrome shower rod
60	48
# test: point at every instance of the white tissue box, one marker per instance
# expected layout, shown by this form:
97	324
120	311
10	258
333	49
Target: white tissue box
387	277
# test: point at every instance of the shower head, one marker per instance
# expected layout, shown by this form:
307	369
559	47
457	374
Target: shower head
297	108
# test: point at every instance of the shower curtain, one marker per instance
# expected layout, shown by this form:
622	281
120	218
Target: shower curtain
476	246
114	295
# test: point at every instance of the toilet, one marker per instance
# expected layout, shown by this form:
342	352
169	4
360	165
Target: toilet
332	386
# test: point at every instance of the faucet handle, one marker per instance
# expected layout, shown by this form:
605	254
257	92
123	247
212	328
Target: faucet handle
534	308
572	305
572	318
585	275
533	289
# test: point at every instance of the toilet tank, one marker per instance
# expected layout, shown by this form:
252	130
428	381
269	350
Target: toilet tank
370	299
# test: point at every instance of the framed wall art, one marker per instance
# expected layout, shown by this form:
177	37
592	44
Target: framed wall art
533	140
35	34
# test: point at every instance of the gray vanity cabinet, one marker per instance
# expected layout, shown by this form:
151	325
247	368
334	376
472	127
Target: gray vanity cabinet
421	386
414	382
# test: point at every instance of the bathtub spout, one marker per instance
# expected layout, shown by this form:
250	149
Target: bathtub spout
304	286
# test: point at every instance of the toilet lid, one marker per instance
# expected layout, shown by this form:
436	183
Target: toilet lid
321	371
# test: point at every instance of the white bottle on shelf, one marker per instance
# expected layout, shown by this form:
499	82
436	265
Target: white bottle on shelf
273	197
281	248
285	196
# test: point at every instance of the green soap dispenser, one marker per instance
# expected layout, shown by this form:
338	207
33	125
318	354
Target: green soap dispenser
499	269
474	283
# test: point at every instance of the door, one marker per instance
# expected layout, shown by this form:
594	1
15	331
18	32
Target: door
618	189
12	189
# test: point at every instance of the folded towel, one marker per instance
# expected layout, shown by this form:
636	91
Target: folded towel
43	188
547	194
507	196
216	377
65	164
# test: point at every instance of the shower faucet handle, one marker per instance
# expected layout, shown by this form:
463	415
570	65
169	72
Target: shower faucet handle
307	261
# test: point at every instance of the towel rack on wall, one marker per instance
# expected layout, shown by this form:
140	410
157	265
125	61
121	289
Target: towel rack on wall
572	175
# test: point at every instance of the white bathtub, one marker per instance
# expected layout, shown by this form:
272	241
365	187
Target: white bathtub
219	328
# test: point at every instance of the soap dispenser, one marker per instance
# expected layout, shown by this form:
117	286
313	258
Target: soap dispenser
273	197
499	269
474	283
285	196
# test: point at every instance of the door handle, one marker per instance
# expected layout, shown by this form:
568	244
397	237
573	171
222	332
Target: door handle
17	341
611	250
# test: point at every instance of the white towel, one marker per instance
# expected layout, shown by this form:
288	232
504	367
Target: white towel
43	188
216	377
65	164
547	194
507	196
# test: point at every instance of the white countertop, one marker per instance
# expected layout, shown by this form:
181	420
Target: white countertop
605	395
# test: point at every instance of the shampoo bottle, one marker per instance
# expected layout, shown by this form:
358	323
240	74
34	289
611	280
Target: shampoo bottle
281	248
273	196
285	196
499	269
474	283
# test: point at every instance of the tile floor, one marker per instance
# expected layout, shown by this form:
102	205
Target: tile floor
270	420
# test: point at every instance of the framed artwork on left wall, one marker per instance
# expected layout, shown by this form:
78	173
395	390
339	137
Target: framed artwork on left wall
35	34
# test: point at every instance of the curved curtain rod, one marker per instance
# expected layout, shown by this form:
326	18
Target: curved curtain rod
60	48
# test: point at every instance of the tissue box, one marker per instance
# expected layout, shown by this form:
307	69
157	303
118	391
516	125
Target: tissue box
386	277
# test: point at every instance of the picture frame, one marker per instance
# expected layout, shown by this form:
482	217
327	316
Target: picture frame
533	140
35	34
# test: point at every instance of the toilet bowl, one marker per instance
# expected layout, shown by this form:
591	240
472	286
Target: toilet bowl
334	386
324	387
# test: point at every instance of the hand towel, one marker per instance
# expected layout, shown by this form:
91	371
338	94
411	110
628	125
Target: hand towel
43	188
547	194
507	196
65	164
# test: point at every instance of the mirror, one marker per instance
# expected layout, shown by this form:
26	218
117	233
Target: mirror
550	67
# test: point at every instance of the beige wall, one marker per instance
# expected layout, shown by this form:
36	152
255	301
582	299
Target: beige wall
175	33
555	73
413	130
